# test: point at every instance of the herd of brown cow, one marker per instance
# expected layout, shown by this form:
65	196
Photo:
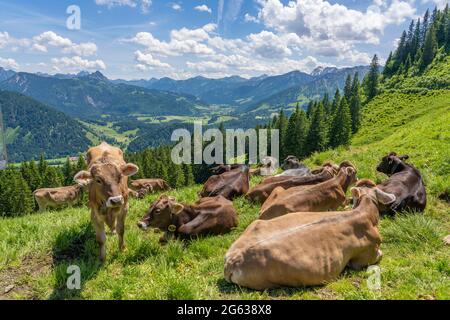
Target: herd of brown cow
299	239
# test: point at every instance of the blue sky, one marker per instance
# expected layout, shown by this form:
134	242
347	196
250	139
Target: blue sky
134	39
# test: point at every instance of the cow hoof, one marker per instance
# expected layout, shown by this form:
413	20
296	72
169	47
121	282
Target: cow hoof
447	240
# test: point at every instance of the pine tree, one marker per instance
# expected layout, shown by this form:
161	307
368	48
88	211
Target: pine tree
424	29
281	125
317	139
68	172
341	129
188	175
355	104
429	48
336	101
371	82
296	134
388	68
348	88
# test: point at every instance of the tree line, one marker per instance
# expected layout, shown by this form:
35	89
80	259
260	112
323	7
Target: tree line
419	45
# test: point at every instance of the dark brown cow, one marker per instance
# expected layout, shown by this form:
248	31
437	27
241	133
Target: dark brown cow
261	192
207	216
328	195
405	182
107	176
229	184
143	187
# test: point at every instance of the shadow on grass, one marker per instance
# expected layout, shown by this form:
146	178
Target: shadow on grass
74	247
283	292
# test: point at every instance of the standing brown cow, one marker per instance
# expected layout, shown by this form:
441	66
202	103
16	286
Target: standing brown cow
58	197
107	177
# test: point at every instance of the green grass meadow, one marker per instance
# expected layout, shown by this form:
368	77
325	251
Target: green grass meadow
36	250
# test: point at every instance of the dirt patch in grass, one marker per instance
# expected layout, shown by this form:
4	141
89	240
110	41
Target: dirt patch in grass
15	281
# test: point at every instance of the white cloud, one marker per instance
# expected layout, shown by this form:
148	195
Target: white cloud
250	18
176	6
148	61
77	64
82	49
144	4
323	20
439	3
203	8
9	63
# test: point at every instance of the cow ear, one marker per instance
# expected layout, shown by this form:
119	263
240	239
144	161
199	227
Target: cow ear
404	157
350	171
356	193
385	198
177	208
129	169
83	177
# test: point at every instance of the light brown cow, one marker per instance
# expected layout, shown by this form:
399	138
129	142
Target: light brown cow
107	177
208	216
58	197
324	196
261	192
328	195
148	186
308	248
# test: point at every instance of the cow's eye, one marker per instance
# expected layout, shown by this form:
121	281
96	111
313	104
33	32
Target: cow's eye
98	180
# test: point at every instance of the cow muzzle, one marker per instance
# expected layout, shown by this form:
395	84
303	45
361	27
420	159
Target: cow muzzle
142	225
114	202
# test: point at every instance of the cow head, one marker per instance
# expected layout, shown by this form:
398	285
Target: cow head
291	162
391	163
105	181
367	188
331	168
161	213
349	171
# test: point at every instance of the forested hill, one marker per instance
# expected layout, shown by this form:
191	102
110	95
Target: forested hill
33	128
94	95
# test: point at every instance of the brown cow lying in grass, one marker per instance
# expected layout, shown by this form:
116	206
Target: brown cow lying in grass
229	184
261	192
328	195
142	187
58	197
308	248
208	216
107	176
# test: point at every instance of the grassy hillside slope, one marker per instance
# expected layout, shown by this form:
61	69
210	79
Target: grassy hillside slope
35	251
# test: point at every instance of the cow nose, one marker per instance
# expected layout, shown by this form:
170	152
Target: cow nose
114	201
142	225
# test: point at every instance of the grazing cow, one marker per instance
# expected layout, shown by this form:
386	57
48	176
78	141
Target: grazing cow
405	182
261	192
229	184
207	216
143	187
308	248
328	195
107	176
58	197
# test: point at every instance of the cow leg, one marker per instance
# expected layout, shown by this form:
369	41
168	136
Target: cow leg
100	236
121	227
196	226
368	257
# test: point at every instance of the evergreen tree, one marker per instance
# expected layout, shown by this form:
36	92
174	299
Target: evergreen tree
68	172
348	88
424	29
296	134
429	48
281	125
188	175
336	101
341	129
371	82
317	139
355	104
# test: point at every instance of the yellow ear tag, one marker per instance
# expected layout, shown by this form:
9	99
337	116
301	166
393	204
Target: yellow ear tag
172	228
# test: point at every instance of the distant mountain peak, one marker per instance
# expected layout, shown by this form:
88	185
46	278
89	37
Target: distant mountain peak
320	71
97	75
